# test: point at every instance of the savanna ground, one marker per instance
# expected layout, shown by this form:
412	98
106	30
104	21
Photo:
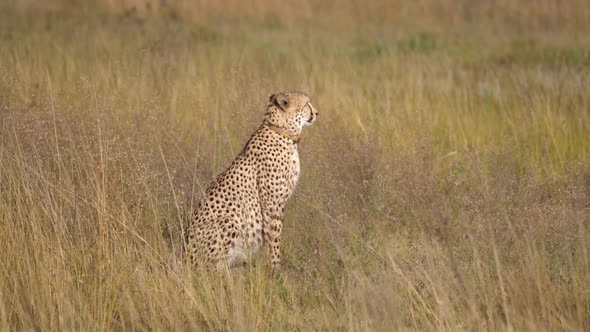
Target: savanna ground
445	185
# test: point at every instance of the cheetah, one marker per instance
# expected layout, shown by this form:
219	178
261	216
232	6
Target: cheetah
243	208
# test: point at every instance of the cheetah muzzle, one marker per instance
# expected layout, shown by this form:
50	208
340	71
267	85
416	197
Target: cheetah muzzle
243	208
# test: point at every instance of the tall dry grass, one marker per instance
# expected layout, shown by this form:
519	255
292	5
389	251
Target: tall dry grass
446	184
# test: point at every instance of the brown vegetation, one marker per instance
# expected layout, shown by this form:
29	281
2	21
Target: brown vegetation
446	184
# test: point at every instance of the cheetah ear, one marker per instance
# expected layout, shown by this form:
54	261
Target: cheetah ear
278	100
282	101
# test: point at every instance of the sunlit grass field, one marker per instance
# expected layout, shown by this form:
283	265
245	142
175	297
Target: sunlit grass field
444	186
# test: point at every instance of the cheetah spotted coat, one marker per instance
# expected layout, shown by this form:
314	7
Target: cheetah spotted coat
243	209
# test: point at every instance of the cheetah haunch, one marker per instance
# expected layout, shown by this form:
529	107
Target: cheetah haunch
243	209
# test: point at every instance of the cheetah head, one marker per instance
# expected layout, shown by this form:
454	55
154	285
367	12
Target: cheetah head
291	111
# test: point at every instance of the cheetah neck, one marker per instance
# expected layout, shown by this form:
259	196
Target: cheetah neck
283	132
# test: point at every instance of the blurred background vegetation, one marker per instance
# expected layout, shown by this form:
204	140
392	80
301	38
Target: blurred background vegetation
445	185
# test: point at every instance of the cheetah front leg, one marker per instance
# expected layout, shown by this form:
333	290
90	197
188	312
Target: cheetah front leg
272	239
